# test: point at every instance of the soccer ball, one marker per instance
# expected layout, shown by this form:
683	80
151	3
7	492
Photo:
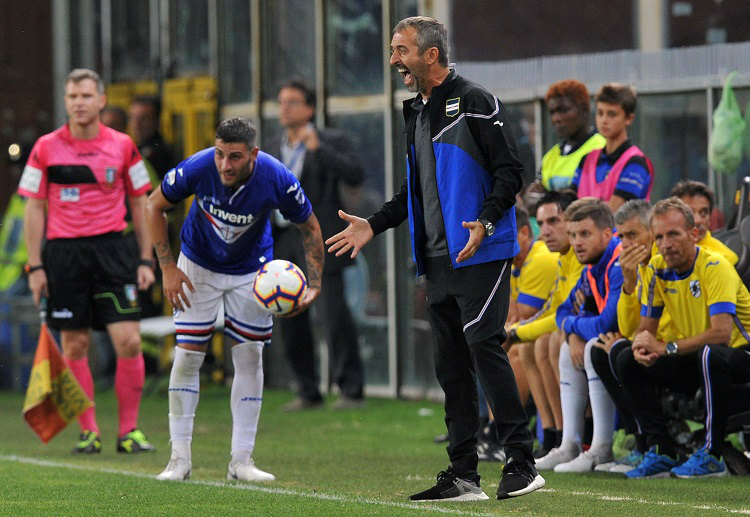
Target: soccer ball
279	287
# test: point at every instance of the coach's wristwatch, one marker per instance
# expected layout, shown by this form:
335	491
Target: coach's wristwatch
489	228
672	348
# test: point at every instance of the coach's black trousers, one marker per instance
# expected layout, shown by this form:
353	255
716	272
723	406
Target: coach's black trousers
468	307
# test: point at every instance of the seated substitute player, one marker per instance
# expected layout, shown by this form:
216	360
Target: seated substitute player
226	239
634	230
531	283
709	305
700	199
541	328
590	226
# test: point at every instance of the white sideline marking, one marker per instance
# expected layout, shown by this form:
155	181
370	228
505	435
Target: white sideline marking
604	497
254	488
330	497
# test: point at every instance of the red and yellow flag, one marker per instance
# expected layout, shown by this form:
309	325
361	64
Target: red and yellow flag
54	398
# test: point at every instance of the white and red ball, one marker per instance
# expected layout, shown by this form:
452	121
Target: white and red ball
279	287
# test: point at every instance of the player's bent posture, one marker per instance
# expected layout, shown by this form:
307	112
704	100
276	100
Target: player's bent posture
226	239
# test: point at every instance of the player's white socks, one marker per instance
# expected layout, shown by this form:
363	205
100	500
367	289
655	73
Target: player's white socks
184	391
246	399
602	406
573	395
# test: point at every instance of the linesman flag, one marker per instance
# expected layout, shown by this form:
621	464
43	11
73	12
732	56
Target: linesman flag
54	398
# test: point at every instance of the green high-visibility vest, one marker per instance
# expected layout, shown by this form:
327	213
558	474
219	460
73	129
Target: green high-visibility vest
558	170
13	252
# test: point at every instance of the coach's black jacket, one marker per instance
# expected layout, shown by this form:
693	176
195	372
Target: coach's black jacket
477	172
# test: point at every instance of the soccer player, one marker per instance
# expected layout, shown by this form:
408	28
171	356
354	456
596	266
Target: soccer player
700	199
710	306
590	226
76	182
553	232
226	238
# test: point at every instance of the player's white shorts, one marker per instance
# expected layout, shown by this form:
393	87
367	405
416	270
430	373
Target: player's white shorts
243	318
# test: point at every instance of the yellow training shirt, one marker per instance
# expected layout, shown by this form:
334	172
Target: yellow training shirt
711	287
716	246
532	282
543	322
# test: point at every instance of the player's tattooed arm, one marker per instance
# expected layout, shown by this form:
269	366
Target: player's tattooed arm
312	242
163	252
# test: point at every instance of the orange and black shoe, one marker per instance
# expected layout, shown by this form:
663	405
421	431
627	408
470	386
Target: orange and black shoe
88	443
134	441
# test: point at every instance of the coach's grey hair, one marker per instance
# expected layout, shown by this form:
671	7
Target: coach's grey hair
430	33
79	74
639	208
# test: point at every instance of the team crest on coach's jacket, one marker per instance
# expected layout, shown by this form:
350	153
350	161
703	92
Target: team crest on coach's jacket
451	107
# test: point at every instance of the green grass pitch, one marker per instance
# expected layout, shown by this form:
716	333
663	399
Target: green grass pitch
348	463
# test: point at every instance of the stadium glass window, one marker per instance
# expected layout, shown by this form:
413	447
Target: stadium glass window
672	131
131	56
366	281
189	37
288	43
235	55
354	47
521	116
85	34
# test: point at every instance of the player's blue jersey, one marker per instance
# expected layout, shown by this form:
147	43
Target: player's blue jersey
228	230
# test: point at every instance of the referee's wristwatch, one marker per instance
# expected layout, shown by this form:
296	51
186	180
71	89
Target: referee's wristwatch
28	268
489	227
147	262
672	348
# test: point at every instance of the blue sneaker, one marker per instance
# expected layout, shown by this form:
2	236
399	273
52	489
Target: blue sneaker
701	465
653	465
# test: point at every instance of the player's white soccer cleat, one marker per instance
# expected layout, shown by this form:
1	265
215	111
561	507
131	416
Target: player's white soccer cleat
178	469
247	472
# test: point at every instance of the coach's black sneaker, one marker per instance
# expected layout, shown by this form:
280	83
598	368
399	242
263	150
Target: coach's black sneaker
450	487
519	478
88	443
134	441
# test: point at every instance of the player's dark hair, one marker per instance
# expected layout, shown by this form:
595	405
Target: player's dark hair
561	198
590	208
237	130
691	188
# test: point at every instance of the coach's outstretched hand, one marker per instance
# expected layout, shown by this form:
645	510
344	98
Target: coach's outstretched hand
353	237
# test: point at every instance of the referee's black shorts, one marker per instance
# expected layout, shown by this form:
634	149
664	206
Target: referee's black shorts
92	282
